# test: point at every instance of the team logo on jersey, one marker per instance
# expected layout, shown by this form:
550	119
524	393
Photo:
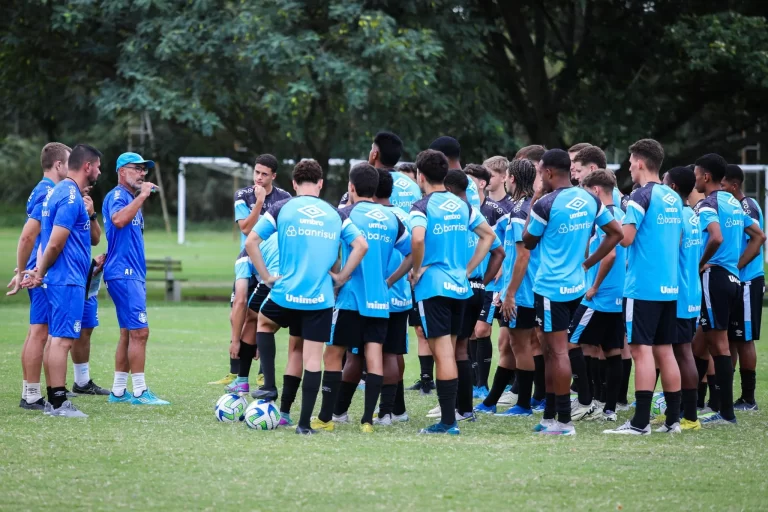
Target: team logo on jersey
76	326
576	203
117	194
563	229
312	211
694	220
729	223
734	202
143	317
291	231
402	183
438	229
377	215
450	206
669	199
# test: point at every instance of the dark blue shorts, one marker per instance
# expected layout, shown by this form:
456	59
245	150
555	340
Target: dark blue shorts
130	298
65	316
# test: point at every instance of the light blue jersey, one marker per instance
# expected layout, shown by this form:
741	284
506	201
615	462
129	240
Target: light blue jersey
657	213
616	197
473	196
270	252
405	192
35	212
754	268
563	220
125	246
366	291
513	235
309	234
608	298
721	207
689	296
245	200
479	272
64	207
447	221
400	295
494	212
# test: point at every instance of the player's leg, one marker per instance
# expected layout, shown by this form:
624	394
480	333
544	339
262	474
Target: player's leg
586	329
375	335
748	322
505	371
520	342
291	379
539	382
426	382
484	346
399	412
239	349
81	352
339	387
626	374
395	346
316	329
351	375
466	381
122	369
33	350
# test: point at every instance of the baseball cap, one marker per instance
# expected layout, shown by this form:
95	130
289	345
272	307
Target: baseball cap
132	158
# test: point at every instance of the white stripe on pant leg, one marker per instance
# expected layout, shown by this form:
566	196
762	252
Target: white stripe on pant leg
629	314
747	311
707	300
423	318
547	315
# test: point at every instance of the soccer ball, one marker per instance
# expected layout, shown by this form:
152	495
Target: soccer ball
262	415
230	408
659	404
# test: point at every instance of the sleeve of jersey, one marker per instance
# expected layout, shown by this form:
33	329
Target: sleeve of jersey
707	215
496	242
419	215
748	221
636	208
349	231
517	227
116	202
66	213
344	199
267	225
403	243
604	216
37	210
241	208
475	218
538	221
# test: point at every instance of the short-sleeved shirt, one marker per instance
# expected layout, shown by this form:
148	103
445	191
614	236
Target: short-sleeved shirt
754	268
366	291
269	252
64	207
652	269
689	295
309	234
405	192
473	196
563	220
125	246
514	235
608	298
35	212
400	294
494	212
721	207
245	200
447	221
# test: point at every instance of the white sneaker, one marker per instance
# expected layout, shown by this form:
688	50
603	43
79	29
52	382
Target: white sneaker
434	413
386	421
628	429
579	411
596	413
544	424
67	410
400	418
559	429
670	429
622	407
609	416
507	398
342	418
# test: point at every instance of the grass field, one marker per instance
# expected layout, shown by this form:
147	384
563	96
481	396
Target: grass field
180	458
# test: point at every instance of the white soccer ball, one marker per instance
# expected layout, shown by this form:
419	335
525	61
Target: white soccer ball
659	404
262	415
230	408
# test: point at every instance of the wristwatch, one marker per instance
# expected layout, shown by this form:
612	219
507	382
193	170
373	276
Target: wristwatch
93	216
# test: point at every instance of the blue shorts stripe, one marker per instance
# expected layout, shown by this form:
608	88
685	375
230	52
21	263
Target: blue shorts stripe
547	315
423	319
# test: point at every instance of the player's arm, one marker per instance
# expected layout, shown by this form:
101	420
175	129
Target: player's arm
359	247
127	213
252	243
246	224
756	241
713	244
494	264
418	235
606	264
405	266
629	231
95	227
56	243
613	235
522	257
403	246
29	233
487	237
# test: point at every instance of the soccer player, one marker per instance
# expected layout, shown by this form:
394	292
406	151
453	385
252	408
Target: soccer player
309	233
682	181
125	273
532	153
598	320
561	222
588	159
408	170
652	232
574	150
451	148
441	221
53	159
724	223
361	315
744	329
65	243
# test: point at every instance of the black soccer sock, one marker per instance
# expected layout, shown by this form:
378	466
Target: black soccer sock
246	354
464	389
673	400
346	393
472	353
290	388
309	389
500	380
234	366
642	416
579	368
724	376
525	378
614	371
594	377
625	375
550	406
266	343
484	358
48	390
514	385
57	396
399	407
588	363
714	393
539	387
748	380
427	364
563	408
602	384
330	388
446	396
387	402
701	396
701	366
372	391
689	404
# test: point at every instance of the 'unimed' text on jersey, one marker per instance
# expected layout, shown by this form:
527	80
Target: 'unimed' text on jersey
64	207
689	296
35	212
125	246
608	298
754	268
721	207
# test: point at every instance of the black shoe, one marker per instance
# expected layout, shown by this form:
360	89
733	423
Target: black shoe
427	387
34	406
90	389
270	395
416	386
304	431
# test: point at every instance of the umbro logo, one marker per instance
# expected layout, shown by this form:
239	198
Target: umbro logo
311	211
576	203
401	183
377	215
669	199
450	206
694	220
734	202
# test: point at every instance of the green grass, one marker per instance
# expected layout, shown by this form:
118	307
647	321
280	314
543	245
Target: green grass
180	458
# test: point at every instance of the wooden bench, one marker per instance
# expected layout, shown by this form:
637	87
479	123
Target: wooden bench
172	283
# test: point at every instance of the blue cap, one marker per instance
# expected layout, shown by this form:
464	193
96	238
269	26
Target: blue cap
133	158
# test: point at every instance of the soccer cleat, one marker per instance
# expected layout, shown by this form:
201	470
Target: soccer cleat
366	428
743	405
559	429
224	381
704	410
70	394
148	398
270	395
480	393
416	386
669	429
285	420
67	410
126	397
538	405
597	411
622	407
481	408
241	388
543	424
467	416
400	418
318	424
427	387
442	428
39	405
341	418
609	416
90	389
507	398
434	413
579	411
717	419
304	431
659	419
516	411
260	379
628	430
690	425
385	421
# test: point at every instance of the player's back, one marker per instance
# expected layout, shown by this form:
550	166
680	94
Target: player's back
689	295
35	211
609	295
656	212
405	191
400	294
754	268
494	213
64	207
720	206
125	246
